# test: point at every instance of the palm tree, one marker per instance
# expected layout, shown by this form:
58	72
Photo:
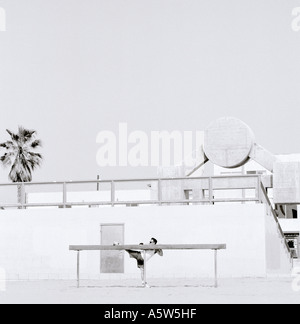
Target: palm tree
20	155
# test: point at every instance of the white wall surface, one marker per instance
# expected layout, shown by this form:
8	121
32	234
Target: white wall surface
290	225
276	252
89	196
34	243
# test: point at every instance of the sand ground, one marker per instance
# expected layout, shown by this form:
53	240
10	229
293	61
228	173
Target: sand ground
283	290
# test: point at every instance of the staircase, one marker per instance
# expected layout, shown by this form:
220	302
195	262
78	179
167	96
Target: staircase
275	240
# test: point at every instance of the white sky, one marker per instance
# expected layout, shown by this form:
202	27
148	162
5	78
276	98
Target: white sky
72	68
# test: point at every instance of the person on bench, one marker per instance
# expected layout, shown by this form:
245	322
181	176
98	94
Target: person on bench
138	256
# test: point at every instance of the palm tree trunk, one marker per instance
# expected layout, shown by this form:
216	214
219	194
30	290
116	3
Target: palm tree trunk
20	196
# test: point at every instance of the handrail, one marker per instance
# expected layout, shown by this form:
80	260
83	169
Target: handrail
148	247
268	201
210	184
127	180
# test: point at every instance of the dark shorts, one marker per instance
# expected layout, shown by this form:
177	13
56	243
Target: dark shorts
138	256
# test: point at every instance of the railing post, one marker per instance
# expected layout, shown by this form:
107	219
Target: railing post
64	195
159	192
258	191
211	191
113	193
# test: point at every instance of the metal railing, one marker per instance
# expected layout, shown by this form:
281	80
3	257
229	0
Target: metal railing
144	248
159	191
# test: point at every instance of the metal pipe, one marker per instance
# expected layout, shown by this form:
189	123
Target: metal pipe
113	193
64	195
145	268
216	268
78	269
98	184
126	180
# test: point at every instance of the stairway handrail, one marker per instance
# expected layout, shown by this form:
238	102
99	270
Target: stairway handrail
273	212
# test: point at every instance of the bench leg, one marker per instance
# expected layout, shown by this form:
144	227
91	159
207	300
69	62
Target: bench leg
78	269
216	268
145	267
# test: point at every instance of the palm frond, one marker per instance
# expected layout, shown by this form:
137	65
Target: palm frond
20	171
25	134
9	145
13	136
19	154
34	160
7	159
36	143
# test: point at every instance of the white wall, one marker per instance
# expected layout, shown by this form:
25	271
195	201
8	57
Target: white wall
89	196
290	224
34	243
276	252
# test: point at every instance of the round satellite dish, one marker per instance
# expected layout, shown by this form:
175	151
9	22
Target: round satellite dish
228	142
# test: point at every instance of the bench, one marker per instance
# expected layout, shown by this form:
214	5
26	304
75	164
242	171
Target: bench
144	248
